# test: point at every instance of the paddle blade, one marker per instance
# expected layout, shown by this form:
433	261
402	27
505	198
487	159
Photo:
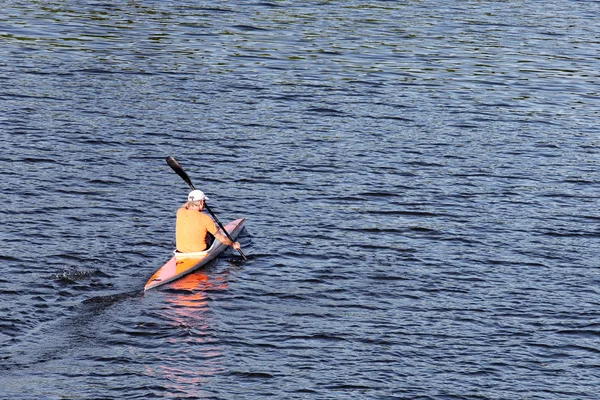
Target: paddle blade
179	171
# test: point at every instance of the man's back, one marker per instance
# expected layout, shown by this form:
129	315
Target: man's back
191	229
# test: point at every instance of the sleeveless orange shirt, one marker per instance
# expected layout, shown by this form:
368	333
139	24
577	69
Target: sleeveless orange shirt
190	230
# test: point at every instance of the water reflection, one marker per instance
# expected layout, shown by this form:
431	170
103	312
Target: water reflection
196	354
189	292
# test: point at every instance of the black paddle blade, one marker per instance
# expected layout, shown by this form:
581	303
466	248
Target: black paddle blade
179	171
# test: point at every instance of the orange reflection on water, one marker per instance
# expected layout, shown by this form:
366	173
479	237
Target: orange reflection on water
187	303
197	355
199	280
196	285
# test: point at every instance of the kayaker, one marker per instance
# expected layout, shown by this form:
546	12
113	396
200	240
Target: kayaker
193	227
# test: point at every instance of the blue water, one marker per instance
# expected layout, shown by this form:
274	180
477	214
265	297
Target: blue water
419	179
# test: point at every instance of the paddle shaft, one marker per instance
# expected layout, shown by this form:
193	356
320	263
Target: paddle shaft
181	172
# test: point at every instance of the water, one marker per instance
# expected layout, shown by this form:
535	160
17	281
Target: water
419	179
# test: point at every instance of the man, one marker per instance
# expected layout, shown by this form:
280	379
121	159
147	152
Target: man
193	226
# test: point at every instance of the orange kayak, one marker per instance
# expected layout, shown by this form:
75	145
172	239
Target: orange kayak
182	264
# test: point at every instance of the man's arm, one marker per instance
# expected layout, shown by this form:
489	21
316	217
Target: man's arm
225	240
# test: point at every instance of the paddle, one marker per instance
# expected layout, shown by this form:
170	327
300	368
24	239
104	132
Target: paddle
179	171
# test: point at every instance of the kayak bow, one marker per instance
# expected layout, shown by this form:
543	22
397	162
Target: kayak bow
182	264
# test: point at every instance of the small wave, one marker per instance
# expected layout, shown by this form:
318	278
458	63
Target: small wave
587	333
75	275
323	110
95	71
248	28
255	375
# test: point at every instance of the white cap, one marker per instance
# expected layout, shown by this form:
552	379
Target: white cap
197	195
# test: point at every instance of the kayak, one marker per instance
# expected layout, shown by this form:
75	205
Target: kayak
182	264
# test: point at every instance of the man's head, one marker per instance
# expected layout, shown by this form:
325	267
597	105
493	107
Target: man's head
196	198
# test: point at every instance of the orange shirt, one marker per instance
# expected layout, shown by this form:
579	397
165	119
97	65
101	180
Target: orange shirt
190	230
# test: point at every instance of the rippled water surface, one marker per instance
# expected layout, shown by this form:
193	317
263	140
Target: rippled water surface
419	179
